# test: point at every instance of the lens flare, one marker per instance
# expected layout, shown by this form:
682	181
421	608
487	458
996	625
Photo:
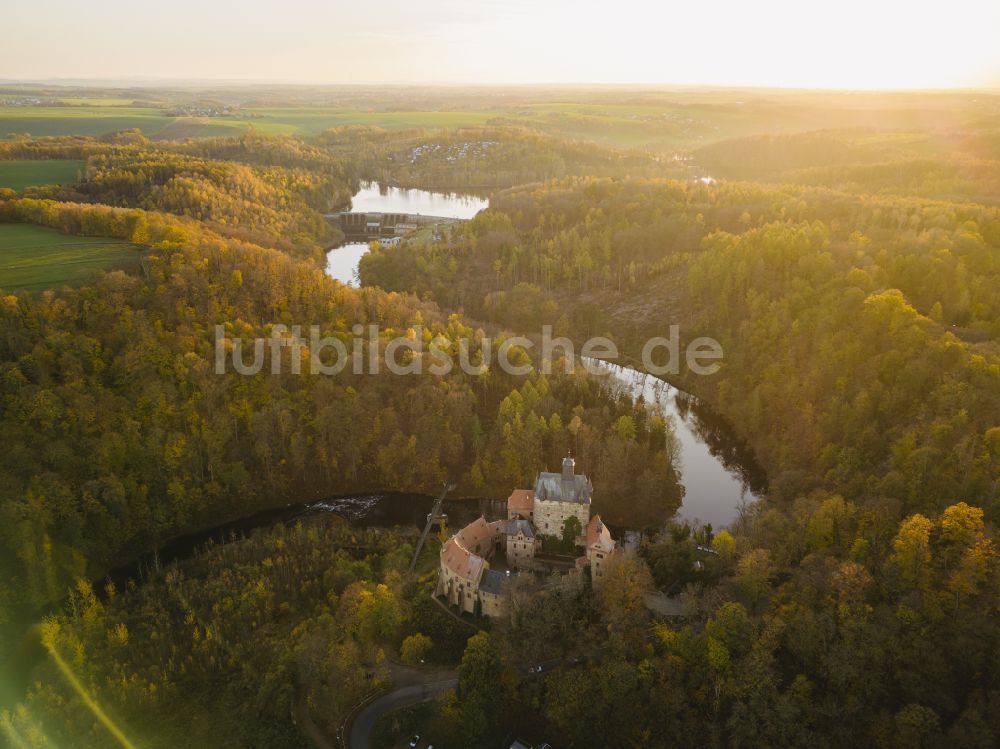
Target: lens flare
34	735
89	701
13	737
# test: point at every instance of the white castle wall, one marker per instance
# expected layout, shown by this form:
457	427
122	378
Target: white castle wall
550	515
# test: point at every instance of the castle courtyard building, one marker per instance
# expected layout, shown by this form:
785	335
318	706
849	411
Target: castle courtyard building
521	542
466	579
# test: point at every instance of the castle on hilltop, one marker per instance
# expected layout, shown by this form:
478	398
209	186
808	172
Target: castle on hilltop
467	579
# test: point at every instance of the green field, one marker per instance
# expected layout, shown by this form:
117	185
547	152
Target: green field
212	127
20	174
83	101
612	125
313	120
33	258
97	120
663	120
93	120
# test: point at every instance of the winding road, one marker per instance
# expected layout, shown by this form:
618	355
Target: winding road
361	728
412	685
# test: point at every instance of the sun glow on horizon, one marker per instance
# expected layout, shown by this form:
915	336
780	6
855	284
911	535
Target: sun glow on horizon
878	44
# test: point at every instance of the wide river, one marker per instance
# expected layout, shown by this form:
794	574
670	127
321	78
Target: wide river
342	262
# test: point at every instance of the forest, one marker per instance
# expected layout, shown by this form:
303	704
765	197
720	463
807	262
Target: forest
268	191
482	158
800	286
120	435
849	269
121	432
861	365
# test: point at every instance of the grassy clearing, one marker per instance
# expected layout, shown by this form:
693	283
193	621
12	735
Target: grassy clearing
20	174
33	258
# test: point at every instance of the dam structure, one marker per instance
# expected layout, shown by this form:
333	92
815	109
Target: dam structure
369	226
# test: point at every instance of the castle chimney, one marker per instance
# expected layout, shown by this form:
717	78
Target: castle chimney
569	468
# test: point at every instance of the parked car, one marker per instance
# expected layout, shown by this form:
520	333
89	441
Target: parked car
414	741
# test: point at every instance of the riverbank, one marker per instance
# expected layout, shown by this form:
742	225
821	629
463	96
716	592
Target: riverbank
398	202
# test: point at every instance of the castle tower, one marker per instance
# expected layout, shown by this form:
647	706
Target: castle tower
558	496
568	468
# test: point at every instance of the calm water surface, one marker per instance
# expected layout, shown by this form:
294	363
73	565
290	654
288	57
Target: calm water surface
373	198
342	262
717	469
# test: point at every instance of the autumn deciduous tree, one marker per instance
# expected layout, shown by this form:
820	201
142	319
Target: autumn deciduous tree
379	613
912	552
482	694
415	648
621	590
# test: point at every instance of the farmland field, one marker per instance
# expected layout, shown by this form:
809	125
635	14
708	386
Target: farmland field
312	120
213	127
39	121
658	120
656	126
33	258
20	174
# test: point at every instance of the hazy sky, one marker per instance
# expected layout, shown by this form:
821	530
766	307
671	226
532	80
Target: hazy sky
849	43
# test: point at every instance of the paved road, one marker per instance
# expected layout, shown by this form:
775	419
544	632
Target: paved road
361	729
419	684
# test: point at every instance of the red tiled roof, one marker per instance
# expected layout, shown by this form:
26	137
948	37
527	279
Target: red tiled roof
521	500
462	553
599	535
479	534
461	561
